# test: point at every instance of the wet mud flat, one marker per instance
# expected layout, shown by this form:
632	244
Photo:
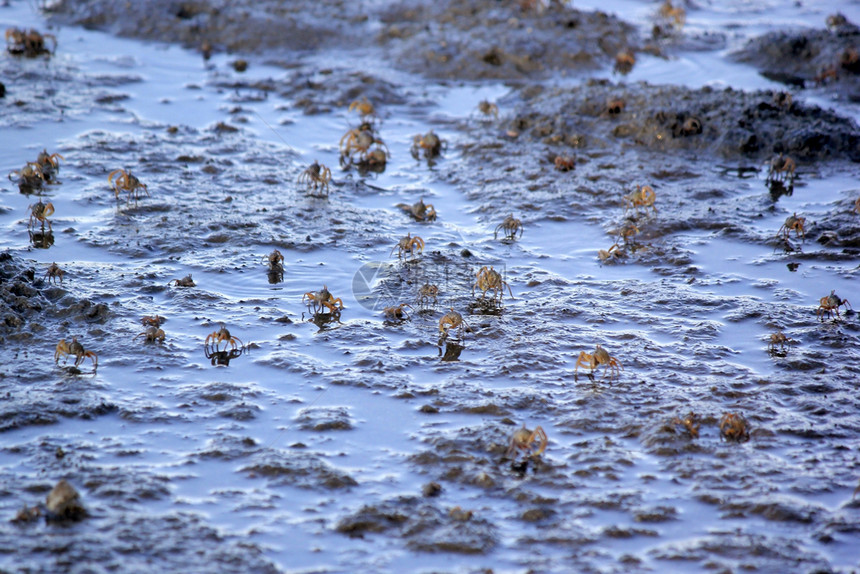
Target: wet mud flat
357	436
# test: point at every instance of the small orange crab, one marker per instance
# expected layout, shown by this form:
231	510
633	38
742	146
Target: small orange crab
364	108
54	272
127	182
431	144
427	292
488	279
28	43
409	244
624	61
40	212
275	260
357	143
153	321
690	423
592	361
509	226
564	163
50	164
222	334
152	334
323	298
420	211
614	252
777	340
831	304
316	175
186	281
781	169
734	427
792	223
523	439
30	177
452	320
396	312
676	14
857	205
65	349
644	197
488	109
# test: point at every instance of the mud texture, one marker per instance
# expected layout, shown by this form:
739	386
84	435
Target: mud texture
826	58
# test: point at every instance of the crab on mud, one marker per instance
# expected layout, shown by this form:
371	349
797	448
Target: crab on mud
186	281
510	227
275	261
364	108
452	320
409	244
733	427
396	312
523	440
488	279
153	321
644	197
357	143
777	342
30	177
54	272
420	211
224	335
128	183
676	14
690	423
316	175
49	163
781	169
830	304
624	61
65	349
323	299
28	43
487	109
792	223
427	292
592	361
40	212
430	144
564	163
614	252
151	334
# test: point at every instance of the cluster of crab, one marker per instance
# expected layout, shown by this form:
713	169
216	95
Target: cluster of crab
733	426
35	174
29	43
642	198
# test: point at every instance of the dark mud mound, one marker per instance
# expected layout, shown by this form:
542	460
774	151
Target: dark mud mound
480	40
232	26
725	123
810	58
469	40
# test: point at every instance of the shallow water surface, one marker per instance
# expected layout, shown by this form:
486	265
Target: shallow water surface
335	443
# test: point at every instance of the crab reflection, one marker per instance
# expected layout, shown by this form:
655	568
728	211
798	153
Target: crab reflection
323	320
451	351
220	358
777	189
41	239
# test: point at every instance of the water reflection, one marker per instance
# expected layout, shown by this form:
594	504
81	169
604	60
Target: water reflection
41	239
220	358
323	320
452	349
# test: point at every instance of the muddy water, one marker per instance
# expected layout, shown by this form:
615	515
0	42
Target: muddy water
369	443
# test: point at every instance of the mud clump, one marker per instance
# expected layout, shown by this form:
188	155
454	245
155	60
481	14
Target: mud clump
826	58
425	527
